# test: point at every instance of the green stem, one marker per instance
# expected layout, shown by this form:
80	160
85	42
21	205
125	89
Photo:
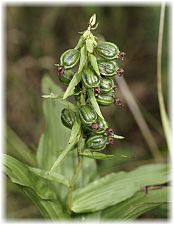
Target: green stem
80	148
83	96
75	175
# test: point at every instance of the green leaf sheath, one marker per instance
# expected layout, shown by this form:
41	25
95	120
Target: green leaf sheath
117	187
137	205
70	90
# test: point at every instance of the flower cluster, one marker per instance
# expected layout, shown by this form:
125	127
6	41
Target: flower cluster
88	70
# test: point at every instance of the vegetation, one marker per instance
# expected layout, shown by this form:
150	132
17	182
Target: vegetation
63	179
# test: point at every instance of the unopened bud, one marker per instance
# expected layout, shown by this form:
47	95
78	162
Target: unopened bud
95	126
118	102
109	131
120	72
61	70
121	55
97	91
111	140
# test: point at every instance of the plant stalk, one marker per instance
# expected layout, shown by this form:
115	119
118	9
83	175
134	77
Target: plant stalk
164	117
75	175
80	148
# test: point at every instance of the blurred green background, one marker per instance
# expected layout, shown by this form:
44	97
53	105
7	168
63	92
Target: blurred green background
36	36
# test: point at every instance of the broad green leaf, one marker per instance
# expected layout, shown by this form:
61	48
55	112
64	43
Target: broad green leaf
35	188
50	209
55	177
72	141
150	174
117	187
17	148
83	58
20	174
137	205
93	62
94	103
70	90
96	155
55	136
89	45
100	194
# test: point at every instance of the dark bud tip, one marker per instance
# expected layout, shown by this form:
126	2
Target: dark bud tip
120	72
61	70
109	131
111	140
121	55
95	126
114	88
118	102
97	91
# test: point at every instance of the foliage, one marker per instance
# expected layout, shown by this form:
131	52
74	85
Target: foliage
65	183
111	195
